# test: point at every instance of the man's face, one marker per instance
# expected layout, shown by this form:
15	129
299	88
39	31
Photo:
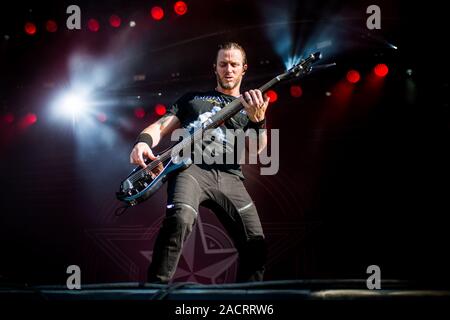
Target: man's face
230	68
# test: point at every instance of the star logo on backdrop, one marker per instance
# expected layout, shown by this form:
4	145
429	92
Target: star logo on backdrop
206	258
123	253
208	255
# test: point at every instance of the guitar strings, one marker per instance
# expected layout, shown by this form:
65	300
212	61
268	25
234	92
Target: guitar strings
214	123
190	140
166	155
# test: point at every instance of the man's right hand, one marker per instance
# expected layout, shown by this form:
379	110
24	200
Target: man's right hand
140	152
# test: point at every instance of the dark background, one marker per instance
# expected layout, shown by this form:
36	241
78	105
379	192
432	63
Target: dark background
363	172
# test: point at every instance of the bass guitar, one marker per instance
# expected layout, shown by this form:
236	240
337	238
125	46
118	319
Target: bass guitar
142	183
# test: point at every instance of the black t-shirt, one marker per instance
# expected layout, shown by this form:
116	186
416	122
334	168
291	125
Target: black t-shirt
193	108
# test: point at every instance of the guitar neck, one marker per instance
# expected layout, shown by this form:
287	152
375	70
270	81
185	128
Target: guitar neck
217	119
234	107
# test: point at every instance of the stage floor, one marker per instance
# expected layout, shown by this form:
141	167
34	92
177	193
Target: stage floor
319	290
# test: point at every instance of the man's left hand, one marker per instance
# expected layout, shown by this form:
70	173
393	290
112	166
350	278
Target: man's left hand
255	105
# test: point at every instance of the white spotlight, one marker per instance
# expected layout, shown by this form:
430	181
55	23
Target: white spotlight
72	105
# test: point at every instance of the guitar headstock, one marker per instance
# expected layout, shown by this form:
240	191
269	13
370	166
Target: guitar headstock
302	67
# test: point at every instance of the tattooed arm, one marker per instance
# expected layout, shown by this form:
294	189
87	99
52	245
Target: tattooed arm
152	136
162	127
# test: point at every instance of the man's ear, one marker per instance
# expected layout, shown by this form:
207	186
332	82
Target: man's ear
214	68
245	68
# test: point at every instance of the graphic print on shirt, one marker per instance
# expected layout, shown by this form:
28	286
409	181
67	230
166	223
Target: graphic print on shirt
219	144
214	144
202	118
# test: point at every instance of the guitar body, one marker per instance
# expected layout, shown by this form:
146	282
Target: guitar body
139	187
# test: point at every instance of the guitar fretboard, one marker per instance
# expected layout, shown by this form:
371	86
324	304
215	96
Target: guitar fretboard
224	114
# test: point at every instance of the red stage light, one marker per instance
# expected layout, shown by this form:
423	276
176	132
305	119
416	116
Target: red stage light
9	118
160	109
51	26
30	28
93	25
273	96
381	70
296	91
157	13
353	76
30	118
102	117
180	7
139	112
115	21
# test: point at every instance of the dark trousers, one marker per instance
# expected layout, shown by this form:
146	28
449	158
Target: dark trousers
225	194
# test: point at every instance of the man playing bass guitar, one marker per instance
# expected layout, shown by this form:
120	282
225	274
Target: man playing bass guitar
217	186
